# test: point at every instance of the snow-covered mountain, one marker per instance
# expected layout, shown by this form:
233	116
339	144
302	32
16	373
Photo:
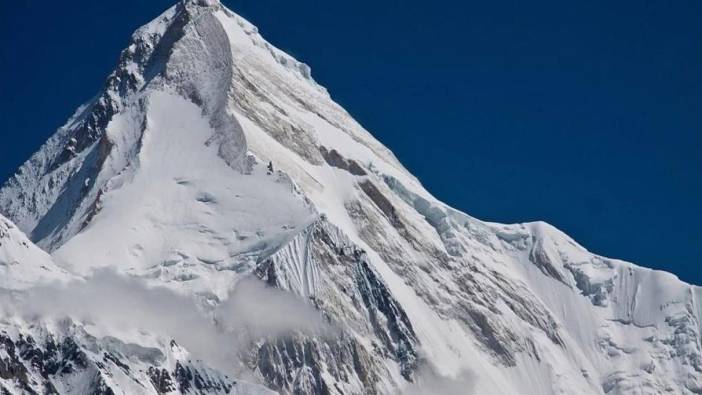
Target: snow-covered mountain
213	222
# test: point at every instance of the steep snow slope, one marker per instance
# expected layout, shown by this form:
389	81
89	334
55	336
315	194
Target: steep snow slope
184	215
211	158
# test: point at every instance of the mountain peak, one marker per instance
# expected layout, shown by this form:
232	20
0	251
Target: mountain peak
201	3
211	158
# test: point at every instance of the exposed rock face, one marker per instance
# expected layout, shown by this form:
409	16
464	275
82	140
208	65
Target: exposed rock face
211	158
80	364
322	264
335	159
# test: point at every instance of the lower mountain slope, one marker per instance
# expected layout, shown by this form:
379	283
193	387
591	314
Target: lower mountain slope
59	334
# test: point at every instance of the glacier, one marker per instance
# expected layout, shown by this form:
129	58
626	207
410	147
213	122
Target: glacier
213	222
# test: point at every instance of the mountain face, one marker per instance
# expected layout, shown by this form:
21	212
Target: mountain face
212	222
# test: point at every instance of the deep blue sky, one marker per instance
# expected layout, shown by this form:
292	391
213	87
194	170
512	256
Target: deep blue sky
586	114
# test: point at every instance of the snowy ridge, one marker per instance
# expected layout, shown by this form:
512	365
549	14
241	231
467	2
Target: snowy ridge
22	264
211	160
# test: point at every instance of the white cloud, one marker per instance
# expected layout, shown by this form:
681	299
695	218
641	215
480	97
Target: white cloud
428	382
115	302
254	307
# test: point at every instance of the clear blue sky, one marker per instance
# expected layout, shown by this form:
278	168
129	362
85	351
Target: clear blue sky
586	114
